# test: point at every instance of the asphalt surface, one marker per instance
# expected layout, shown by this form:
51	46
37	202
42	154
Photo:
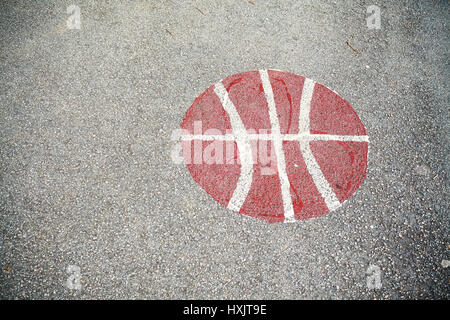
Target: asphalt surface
86	177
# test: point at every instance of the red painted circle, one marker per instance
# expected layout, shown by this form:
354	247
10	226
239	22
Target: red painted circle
342	161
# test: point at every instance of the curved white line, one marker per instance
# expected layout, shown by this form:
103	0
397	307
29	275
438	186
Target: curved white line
313	167
245	152
278	146
319	179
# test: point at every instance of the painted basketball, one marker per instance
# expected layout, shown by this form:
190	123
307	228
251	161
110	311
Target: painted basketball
275	146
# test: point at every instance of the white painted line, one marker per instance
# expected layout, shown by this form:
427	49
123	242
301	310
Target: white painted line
330	137
305	105
319	179
316	173
278	146
284	137
208	137
245	153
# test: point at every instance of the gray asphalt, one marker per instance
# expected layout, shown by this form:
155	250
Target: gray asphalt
86	177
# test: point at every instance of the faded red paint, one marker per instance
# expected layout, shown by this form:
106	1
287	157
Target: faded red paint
344	164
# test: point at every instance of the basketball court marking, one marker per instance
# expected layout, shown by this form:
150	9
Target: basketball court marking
303	137
245	179
278	143
313	167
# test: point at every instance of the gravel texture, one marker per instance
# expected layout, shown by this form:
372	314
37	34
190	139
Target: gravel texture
86	177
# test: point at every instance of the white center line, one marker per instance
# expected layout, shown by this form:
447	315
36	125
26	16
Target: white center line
284	137
278	146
